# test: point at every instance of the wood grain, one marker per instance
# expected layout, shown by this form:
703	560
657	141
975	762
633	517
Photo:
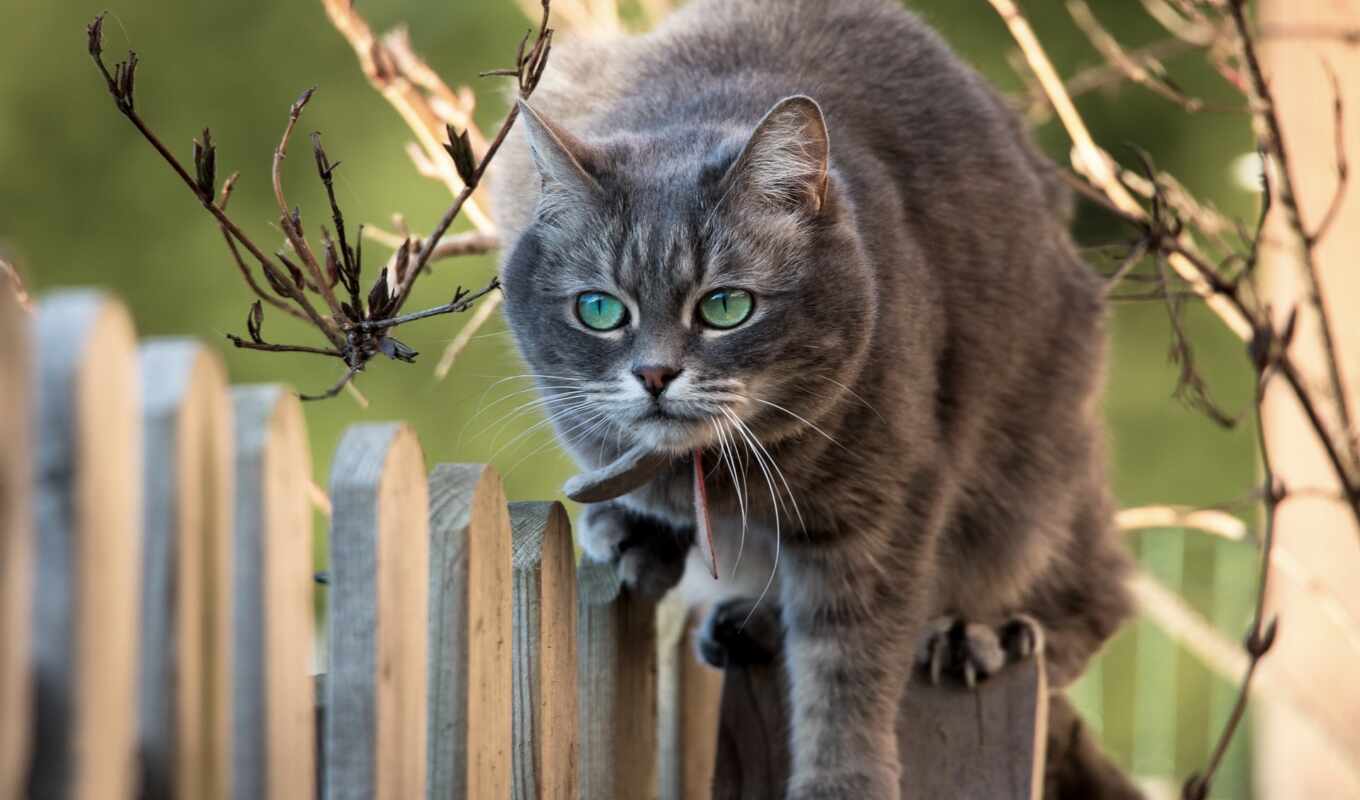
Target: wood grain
544	654
987	744
16	544
274	733
183	683
469	633
378	612
88	507
688	707
617	675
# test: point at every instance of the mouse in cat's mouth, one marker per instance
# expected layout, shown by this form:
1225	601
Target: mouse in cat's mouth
632	470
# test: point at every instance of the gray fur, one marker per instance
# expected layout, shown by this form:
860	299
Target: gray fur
922	320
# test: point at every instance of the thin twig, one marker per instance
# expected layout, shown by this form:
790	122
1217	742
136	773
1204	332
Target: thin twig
1262	634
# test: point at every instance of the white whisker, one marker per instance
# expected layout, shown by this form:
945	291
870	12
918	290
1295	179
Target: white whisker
774	502
803	420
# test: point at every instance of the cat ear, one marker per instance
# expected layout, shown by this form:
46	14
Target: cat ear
784	164
558	156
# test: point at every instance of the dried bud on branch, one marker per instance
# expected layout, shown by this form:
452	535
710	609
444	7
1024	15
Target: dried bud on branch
357	328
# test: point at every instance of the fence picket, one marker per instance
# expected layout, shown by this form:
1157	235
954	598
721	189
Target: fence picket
376	684
274	733
544	654
954	742
616	647
469	633
183	681
16	545
688	703
88	507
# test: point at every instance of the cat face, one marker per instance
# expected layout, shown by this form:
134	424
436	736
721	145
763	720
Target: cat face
687	289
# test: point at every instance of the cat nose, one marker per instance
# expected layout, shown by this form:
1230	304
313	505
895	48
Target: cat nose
655	379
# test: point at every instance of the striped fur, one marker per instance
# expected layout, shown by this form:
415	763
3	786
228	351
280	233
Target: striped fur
908	424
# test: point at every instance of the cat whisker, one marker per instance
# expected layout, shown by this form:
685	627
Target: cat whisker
485	407
552	417
601	420
803	420
756	444
729	456
535	404
774	502
525	376
855	395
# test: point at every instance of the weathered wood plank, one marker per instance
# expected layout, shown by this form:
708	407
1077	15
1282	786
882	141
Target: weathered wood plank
617	675
987	744
376	683
184	680
544	654
88	509
469	633
688	708
274	730
16	544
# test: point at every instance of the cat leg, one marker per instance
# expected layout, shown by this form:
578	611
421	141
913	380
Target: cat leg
739	632
969	652
648	554
848	620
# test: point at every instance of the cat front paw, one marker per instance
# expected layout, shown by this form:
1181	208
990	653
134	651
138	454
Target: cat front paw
740	633
970	652
648	555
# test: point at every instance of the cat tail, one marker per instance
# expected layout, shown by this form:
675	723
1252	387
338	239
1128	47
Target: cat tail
1076	768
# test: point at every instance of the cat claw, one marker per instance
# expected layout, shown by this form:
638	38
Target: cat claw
970	652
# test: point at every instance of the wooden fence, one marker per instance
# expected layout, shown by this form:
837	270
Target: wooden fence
158	605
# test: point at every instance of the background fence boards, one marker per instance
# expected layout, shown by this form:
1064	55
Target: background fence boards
274	734
185	694
376	688
88	508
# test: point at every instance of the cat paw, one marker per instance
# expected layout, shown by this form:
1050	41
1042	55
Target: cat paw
739	633
969	652
648	555
602	529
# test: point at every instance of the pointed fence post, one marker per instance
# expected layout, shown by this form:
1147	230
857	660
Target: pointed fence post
16	544
470	634
273	729
617	675
545	712
87	505
377	622
183	682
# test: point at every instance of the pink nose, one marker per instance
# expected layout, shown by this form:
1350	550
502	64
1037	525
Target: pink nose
655	379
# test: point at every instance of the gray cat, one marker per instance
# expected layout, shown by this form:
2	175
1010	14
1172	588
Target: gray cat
803	243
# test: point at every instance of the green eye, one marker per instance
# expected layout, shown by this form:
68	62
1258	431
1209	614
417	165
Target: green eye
726	308
600	311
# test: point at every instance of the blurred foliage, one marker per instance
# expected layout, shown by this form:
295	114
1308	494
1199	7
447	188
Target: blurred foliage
85	201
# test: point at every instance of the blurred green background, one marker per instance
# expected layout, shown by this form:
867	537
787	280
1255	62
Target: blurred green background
84	201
